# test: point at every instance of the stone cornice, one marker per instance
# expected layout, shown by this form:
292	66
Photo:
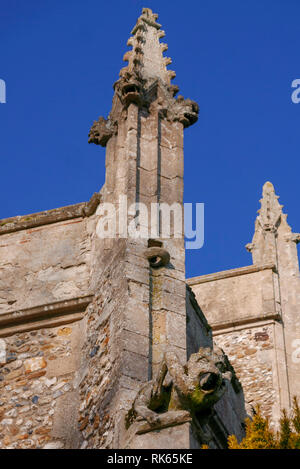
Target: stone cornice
224	325
24	222
230	273
41	316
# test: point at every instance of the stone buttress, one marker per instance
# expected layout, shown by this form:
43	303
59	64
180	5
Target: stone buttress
143	305
140	282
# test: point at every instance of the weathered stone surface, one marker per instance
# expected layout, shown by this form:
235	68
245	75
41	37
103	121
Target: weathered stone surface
253	311
44	265
236	299
177	437
34	364
30	401
9	225
86	320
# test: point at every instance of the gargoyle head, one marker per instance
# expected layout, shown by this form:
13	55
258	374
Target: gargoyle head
129	88
100	132
187	111
207	373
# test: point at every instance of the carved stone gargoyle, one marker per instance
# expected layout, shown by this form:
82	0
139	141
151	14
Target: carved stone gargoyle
185	111
101	131
179	392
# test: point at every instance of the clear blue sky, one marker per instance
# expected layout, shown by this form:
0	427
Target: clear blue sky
236	58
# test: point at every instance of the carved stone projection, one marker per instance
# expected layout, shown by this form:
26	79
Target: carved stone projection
180	394
157	256
100	132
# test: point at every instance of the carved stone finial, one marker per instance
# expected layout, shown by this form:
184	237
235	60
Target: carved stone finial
270	211
270	218
144	81
146	57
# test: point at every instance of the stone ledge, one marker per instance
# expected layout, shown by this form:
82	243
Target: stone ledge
49	315
220	326
24	222
230	273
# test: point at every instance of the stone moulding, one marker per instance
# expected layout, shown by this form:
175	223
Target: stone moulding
274	316
24	222
230	273
42	316
254	323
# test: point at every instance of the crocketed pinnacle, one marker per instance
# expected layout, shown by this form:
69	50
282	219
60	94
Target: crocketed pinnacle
146	58
269	218
145	81
270	211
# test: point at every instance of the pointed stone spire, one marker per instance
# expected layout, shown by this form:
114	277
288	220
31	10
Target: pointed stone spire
146	58
145	82
275	244
270	211
270	227
263	246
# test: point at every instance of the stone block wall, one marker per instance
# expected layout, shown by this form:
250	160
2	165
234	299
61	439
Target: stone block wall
72	365
252	355
44	293
243	308
229	413
44	264
39	388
